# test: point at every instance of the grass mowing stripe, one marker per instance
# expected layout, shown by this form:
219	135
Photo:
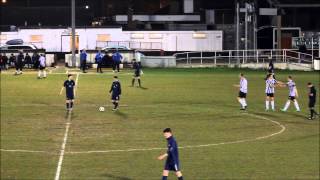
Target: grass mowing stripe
65	138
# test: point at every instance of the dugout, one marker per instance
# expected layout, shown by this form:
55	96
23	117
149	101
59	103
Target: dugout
128	56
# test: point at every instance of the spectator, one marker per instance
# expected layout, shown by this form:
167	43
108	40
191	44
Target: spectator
19	63
12	60
35	60
107	59
116	57
28	61
5	61
1	62
302	50
83	60
99	60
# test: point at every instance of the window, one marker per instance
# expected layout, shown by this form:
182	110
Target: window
155	36
137	36
199	35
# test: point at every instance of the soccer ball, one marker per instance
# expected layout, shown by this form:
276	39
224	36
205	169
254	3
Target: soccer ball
101	109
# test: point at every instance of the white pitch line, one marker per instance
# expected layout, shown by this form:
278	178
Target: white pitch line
22	150
65	138
283	128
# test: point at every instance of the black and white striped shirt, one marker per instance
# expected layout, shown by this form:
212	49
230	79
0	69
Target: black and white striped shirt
270	84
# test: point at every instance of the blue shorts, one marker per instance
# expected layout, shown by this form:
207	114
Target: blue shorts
171	166
137	73
70	97
115	97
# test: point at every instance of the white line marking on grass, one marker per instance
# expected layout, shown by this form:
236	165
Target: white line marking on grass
283	128
22	150
65	138
62	151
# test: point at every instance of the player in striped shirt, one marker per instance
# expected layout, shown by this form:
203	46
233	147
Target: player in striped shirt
42	67
293	94
271	83
243	90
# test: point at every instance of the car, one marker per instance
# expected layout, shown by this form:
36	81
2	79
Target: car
23	46
17	44
114	48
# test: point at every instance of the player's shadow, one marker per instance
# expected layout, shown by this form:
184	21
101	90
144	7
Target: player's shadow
143	88
121	114
116	177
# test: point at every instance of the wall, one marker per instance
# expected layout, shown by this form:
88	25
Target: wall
58	40
158	61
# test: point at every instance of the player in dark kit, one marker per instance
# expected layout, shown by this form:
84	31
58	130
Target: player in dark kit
137	73
115	92
69	86
312	100
172	162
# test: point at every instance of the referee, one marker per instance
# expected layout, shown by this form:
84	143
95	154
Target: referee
137	73
312	100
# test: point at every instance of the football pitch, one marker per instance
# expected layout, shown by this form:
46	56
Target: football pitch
40	140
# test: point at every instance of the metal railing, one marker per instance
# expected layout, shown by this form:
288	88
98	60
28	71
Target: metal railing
244	56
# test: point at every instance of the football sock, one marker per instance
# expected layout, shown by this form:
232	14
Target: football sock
139	81
311	113
67	105
116	105
71	104
164	177
240	101
272	105
44	73
296	105
244	102
39	74
180	178
133	81
267	105
287	105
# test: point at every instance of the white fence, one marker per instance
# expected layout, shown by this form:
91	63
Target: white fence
243	57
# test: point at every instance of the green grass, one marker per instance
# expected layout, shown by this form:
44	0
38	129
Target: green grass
198	104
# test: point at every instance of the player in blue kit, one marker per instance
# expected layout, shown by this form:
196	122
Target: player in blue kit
115	92
172	162
69	86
